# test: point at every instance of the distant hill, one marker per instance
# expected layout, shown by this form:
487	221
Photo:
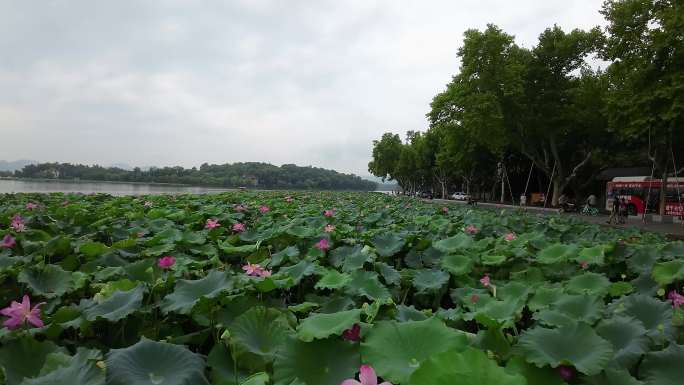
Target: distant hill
251	174
382	186
6	165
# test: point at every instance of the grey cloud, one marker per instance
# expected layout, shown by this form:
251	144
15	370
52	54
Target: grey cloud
171	82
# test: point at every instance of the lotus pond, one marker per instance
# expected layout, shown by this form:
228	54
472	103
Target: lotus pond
257	288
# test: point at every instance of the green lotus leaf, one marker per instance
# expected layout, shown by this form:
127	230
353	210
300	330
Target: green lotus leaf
188	292
514	291
387	244
430	280
48	281
655	315
592	255
150	362
116	307
333	279
77	370
492	260
556	253
618	289
223	367
673	250
409	313
667	272
388	273
320	362
467	367
318	326
588	283
612	376
158	250
286	254
396	349
577	345
628	337
454	244
570	309
458	264
664	367
643	259
544	296
261	331
257	379
236	250
356	259
533	374
303	307
497	313
93	249
300	270
23	358
366	283
301	231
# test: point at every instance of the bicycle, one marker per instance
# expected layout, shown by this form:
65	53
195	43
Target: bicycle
589	211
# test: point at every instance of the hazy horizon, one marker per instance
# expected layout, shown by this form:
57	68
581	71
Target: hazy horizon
166	83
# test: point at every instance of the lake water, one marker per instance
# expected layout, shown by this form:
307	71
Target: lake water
46	186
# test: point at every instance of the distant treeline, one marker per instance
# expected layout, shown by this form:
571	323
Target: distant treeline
252	175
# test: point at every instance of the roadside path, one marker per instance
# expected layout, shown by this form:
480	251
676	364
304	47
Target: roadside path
671	230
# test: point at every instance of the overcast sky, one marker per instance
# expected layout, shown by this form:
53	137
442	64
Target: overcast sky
174	82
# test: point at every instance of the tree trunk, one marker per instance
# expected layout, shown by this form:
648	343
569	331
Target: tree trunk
557	191
663	193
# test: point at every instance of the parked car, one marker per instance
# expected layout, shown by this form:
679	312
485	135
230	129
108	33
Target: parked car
460	196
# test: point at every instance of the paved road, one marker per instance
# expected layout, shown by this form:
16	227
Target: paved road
674	231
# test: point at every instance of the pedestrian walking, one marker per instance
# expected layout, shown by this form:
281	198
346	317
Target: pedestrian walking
523	200
624	211
615	211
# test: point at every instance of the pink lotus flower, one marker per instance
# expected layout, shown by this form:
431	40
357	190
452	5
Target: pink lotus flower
288	199
18	223
445	210
329	228
240	208
323	244
8	242
264	209
584	265
566	372
510	237
353	333
31	206
263	273
238	227
474	298
166	262
676	298
367	376
471	229
20	313
328	213
485	281
212	224
252	269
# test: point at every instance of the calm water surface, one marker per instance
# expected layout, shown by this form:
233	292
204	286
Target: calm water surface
40	186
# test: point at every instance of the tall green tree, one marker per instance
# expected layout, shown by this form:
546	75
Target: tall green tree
386	155
646	98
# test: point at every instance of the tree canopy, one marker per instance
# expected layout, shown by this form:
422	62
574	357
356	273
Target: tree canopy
552	106
250	174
